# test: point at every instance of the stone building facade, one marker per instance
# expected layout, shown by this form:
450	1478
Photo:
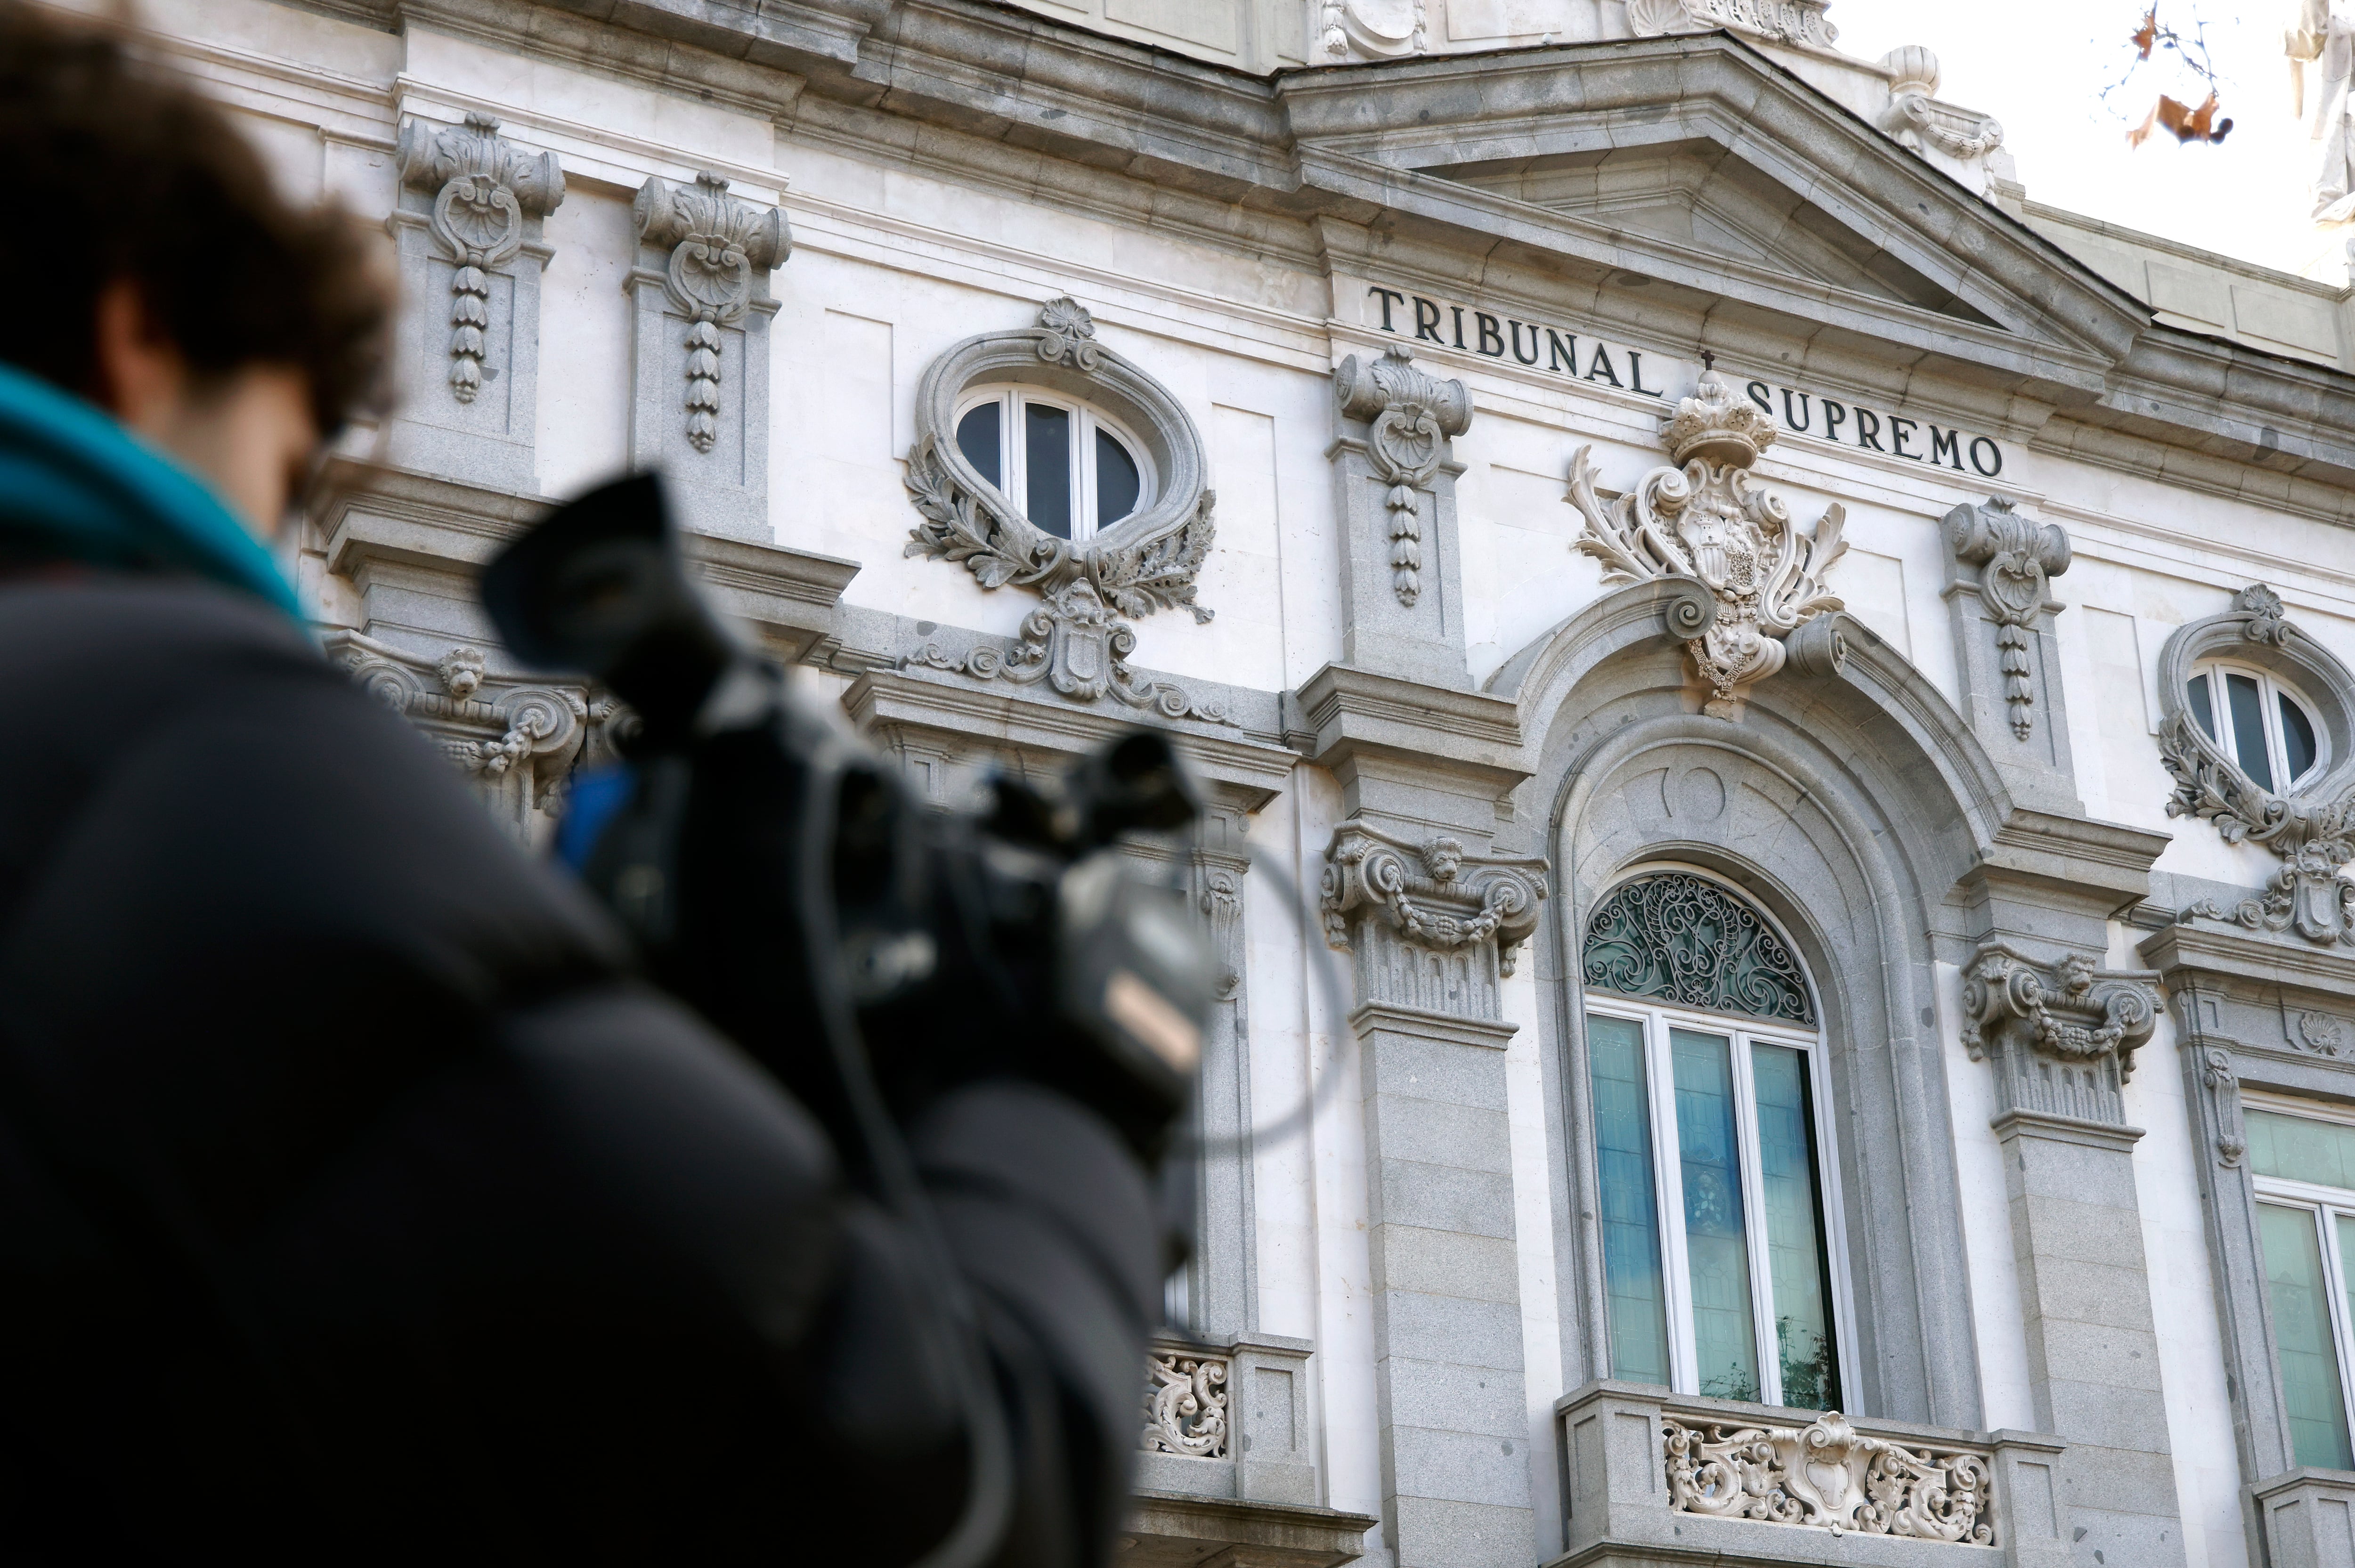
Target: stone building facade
1777	716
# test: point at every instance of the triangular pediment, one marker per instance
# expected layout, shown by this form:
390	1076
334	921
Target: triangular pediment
1704	200
1698	163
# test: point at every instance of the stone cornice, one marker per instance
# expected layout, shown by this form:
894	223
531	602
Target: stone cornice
979	80
2261	958
1358	714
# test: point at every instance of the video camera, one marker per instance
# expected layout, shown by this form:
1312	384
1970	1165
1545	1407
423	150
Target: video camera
871	952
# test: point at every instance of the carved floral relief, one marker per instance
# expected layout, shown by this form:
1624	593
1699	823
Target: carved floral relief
1701	517
715	243
1828	1476
483	187
1410	417
2017	559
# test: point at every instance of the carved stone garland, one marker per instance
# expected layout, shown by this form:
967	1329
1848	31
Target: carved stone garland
1911	118
1411	416
2016	558
1700	518
1076	641
2313	831
1828	1476
482	188
1185	1406
1431	893
2064	1038
1379	28
714	241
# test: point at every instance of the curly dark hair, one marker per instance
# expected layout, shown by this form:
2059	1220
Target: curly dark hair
117	169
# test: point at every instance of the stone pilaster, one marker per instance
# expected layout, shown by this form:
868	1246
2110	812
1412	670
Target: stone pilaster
1224	1277
1401	587
2000	567
1434	930
2061	1039
467	232
700	307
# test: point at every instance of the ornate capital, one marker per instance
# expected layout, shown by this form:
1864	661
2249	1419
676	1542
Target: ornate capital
1699	517
715	242
1431	895
2062	1038
483	187
519	741
1411	416
2016	558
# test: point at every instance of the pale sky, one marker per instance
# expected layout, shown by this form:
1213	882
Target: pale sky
2038	67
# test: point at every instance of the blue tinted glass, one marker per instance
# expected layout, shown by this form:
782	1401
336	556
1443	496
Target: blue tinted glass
1631	1236
2249	729
977	438
2202	710
1717	1251
2300	1148
1797	1256
1118	484
2309	1354
1047	459
2298	738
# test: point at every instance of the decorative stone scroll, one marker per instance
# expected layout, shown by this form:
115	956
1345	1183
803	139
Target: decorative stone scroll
1409	416
1912	119
1075	644
1185	1406
714	240
1783	21
2311	831
2062	1038
1828	1476
483	188
1431	894
1699	517
518	742
2016	558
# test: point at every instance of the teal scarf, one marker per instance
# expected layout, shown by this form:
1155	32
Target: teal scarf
73	480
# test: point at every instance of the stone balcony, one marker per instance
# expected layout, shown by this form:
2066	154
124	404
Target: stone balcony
1651	1474
1227	1472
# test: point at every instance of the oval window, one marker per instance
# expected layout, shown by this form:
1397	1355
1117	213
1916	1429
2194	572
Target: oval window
2265	728
1071	470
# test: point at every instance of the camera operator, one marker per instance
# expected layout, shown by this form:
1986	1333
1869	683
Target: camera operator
358	1199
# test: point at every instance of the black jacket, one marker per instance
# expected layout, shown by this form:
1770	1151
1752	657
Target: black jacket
356	1202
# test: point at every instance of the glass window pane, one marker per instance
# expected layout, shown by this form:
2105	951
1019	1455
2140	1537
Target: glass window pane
2298	738
2249	727
2310	1356
1118	482
2196	693
1797	1257
1631	1236
977	438
2300	1149
1717	1252
1047	464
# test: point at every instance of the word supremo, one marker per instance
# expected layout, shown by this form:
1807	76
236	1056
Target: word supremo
1557	352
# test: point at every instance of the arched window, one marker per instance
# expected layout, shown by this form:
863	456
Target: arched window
1070	467
1713	1147
2259	722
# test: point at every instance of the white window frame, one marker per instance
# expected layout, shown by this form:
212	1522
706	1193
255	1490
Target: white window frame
1667	1181
1013	451
2271	689
2325	1204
